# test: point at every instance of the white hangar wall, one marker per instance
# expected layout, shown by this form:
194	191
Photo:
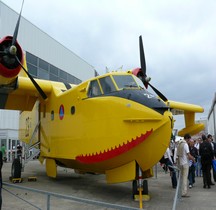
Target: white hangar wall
8	119
40	44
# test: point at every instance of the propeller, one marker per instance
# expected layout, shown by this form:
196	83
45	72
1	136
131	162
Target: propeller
145	79
11	56
44	96
16	29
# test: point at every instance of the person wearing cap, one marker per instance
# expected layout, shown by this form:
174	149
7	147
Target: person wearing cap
184	156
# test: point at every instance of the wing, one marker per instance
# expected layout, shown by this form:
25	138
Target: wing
22	94
189	111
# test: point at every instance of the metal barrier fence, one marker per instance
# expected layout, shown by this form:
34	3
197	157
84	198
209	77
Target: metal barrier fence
178	188
61	196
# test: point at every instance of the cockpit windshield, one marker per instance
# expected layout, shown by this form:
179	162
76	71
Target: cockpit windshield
127	81
105	85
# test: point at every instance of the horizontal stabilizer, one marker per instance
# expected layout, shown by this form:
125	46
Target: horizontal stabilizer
189	111
192	130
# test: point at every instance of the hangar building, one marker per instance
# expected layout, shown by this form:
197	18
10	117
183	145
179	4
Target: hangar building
212	118
46	59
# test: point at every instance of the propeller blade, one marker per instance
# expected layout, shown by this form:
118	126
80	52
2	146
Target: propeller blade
142	57
43	95
17	27
158	93
146	79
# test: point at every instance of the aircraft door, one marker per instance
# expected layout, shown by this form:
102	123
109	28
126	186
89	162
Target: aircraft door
29	125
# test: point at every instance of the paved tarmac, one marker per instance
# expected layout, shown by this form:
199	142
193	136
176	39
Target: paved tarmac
94	187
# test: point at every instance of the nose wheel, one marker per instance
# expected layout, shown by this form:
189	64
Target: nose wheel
135	189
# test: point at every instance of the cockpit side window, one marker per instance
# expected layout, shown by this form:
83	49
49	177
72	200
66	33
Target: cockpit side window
107	85
94	89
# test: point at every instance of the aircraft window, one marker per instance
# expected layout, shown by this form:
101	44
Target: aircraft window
125	81
52	115
73	110
107	85
94	89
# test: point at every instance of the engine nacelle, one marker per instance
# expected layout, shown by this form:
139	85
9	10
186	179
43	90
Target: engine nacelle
9	66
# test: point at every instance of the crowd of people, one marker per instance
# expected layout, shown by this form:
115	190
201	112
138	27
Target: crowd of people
194	158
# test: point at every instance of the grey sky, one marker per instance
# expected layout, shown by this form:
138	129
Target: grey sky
179	39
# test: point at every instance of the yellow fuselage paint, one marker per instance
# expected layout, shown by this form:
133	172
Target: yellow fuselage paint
108	124
97	125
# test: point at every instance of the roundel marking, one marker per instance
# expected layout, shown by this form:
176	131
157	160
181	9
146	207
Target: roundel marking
61	112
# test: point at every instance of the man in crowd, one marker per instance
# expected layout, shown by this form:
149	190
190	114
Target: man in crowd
192	167
213	144
207	155
183	161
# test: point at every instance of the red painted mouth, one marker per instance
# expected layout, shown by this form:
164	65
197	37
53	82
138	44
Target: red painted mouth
111	153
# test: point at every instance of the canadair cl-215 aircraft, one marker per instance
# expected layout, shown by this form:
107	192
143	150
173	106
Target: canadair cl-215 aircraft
109	124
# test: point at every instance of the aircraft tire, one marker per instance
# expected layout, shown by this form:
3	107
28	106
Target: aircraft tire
134	188
16	168
145	187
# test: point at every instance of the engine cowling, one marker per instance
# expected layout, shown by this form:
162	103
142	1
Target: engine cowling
9	66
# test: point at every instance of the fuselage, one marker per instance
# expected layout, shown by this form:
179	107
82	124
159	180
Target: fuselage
107	130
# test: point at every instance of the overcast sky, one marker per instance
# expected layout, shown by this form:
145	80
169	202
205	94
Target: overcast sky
179	38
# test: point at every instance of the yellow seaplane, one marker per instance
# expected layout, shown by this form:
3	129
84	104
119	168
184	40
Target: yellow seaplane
110	124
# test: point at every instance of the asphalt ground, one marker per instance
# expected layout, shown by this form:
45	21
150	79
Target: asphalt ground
94	187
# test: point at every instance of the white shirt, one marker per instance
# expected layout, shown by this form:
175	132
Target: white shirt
183	160
168	155
197	145
175	155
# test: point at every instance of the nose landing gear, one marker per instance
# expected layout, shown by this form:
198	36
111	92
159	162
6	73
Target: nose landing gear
140	189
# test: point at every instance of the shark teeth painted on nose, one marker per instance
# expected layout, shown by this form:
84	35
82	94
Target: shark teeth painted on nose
114	151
